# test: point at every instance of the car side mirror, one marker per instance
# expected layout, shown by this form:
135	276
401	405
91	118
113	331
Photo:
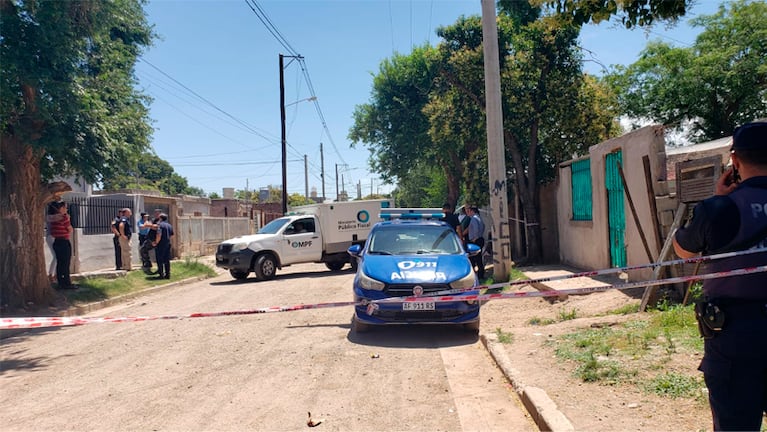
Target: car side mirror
354	250
473	249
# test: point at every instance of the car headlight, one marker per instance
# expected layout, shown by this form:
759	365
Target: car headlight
239	246
465	282
368	283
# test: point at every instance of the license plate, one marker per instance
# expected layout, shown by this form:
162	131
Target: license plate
418	306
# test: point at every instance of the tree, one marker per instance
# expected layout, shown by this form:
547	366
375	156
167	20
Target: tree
631	13
715	85
68	105
297	199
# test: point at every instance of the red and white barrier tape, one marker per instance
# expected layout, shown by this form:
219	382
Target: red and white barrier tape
615	270
40	322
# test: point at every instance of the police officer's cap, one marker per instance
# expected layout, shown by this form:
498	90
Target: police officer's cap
750	136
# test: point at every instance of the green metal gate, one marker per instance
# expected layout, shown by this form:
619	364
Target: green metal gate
615	212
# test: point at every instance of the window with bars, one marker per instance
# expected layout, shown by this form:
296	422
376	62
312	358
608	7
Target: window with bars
581	189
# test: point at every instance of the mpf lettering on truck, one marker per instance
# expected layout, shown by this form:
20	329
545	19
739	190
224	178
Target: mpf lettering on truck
301	244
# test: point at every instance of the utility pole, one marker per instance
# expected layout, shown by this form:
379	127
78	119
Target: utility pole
284	139
496	160
306	176
336	182
322	171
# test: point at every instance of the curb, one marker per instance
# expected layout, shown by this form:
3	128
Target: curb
539	405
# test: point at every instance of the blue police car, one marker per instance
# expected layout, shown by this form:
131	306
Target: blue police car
406	257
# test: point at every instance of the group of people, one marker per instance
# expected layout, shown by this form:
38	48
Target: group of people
153	233
470	229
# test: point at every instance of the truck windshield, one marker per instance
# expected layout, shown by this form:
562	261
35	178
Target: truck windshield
273	226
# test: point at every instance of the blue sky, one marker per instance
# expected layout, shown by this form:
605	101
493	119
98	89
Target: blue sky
214	77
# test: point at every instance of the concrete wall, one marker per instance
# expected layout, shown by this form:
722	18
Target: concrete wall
585	244
94	252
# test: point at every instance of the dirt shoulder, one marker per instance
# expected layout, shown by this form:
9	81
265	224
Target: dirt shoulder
624	405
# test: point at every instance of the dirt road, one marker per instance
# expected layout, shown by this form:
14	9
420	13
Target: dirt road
254	372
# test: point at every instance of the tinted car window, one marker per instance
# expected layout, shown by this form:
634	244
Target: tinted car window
414	239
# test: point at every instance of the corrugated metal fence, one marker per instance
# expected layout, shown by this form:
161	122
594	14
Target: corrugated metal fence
201	235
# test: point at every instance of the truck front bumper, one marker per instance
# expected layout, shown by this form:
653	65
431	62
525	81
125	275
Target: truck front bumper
239	261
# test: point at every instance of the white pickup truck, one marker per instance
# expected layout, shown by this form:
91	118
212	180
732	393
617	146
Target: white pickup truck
312	233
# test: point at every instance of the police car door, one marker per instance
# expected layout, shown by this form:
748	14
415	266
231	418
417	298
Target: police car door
303	242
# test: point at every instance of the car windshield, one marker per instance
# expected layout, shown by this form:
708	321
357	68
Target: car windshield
273	226
414	239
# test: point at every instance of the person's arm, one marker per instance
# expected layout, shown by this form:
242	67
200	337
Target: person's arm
122	229
158	237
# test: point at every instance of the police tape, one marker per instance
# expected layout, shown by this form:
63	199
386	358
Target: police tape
575	291
42	322
589	273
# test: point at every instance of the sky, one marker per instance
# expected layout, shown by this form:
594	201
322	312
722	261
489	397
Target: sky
214	77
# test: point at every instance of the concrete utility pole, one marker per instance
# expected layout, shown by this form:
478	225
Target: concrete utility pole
496	159
322	172
306	176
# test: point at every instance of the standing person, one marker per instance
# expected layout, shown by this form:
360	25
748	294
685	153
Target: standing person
61	230
148	245
734	363
450	217
52	214
162	247
125	235
463	226
143	228
116	240
475	235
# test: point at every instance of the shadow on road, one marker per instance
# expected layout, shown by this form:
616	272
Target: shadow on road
285	276
414	336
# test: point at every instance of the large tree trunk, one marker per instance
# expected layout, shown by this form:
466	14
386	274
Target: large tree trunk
527	186
22	201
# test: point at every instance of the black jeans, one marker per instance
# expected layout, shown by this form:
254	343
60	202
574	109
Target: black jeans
118	253
734	367
63	249
477	261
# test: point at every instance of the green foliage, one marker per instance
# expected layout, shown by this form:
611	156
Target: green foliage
296	199
606	354
713	86
674	385
504	337
631	13
67	88
98	288
150	172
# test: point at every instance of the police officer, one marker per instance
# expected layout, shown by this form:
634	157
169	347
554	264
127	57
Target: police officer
734	363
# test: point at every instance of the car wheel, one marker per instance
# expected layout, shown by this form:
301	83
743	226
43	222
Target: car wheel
238	274
335	265
358	326
472	327
266	267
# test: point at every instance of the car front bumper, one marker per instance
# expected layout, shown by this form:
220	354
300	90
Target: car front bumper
239	261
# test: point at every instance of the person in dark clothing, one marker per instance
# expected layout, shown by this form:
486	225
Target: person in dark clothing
734	363
61	230
450	217
475	234
148	245
162	247
116	240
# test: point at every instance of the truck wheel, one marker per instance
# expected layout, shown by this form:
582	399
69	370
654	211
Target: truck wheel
238	274
335	265
266	267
